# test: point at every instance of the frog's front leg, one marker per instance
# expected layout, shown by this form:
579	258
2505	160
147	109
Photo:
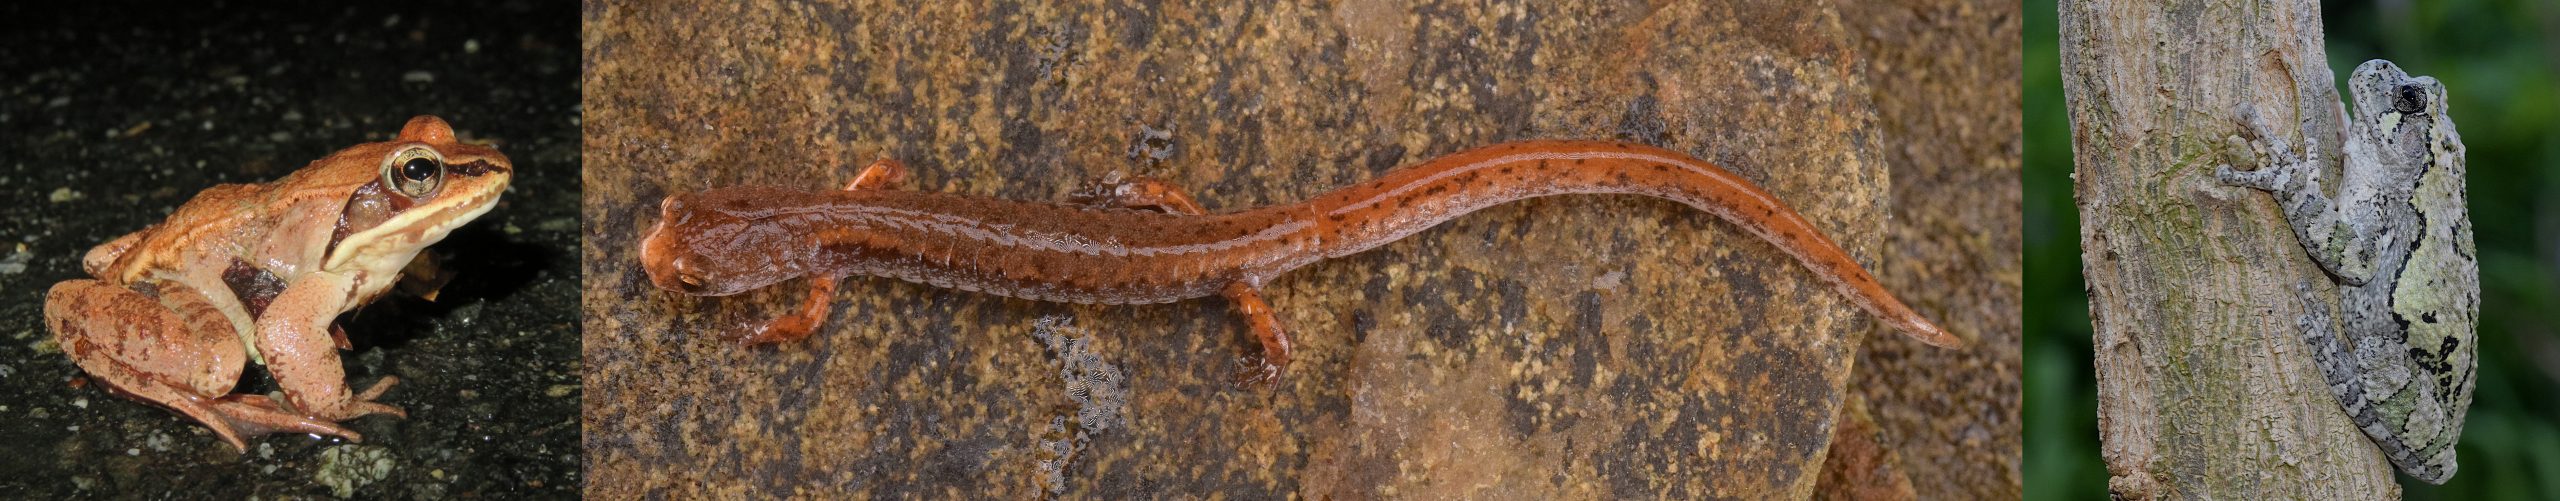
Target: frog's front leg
177	351
294	336
2294	179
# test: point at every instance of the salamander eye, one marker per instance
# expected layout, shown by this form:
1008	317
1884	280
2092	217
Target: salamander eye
685	274
2411	99
414	172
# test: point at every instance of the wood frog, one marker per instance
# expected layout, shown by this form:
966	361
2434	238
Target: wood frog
260	272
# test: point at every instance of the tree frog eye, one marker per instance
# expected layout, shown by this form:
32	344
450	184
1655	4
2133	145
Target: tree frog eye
2410	100
413	172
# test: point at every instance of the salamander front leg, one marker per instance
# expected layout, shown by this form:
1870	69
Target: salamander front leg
882	174
1266	369
792	327
1144	193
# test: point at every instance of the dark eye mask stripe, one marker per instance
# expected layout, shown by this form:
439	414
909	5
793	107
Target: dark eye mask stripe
476	168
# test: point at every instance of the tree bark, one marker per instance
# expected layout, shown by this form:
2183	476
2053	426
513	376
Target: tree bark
2205	390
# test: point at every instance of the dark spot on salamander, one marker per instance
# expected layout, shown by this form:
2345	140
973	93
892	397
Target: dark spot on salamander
1661	167
2430	317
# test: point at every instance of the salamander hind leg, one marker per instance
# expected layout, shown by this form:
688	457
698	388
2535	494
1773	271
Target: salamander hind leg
1258	315
1144	193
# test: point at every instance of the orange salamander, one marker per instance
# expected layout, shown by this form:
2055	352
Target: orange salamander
1143	241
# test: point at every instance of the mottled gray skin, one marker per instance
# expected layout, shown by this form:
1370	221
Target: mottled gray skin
2397	238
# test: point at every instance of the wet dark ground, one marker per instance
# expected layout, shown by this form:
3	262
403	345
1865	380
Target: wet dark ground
112	116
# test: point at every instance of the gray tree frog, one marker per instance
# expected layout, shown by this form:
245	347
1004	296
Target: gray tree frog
2396	236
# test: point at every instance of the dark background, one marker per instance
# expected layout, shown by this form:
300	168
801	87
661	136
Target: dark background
112	115
2497	60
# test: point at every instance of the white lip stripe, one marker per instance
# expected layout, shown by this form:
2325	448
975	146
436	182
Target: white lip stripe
359	241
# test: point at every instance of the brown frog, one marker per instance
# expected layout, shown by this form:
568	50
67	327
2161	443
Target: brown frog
260	272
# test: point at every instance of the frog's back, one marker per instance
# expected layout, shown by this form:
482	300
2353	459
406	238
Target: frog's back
212	226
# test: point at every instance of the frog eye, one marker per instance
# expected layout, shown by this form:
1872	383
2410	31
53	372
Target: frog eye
2411	100
413	172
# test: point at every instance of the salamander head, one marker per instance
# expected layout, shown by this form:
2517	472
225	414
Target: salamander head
697	248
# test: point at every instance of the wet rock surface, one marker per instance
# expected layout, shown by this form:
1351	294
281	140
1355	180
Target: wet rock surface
1946	76
1574	346
111	117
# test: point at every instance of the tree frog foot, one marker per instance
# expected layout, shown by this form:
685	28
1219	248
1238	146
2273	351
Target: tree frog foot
2276	160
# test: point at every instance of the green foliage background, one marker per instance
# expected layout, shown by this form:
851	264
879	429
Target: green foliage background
2500	61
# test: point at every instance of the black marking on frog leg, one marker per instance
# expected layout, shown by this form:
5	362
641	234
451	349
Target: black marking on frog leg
255	287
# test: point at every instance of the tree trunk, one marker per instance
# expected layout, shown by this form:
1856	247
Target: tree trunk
2205	389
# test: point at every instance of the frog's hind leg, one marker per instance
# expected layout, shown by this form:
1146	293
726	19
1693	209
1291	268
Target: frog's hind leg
177	351
105	255
1147	193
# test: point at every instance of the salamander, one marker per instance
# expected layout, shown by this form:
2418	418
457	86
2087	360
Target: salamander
1143	240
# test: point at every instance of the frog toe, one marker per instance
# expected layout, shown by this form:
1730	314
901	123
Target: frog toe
364	404
254	415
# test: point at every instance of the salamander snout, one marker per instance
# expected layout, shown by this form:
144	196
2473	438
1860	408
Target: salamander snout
662	255
696	249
